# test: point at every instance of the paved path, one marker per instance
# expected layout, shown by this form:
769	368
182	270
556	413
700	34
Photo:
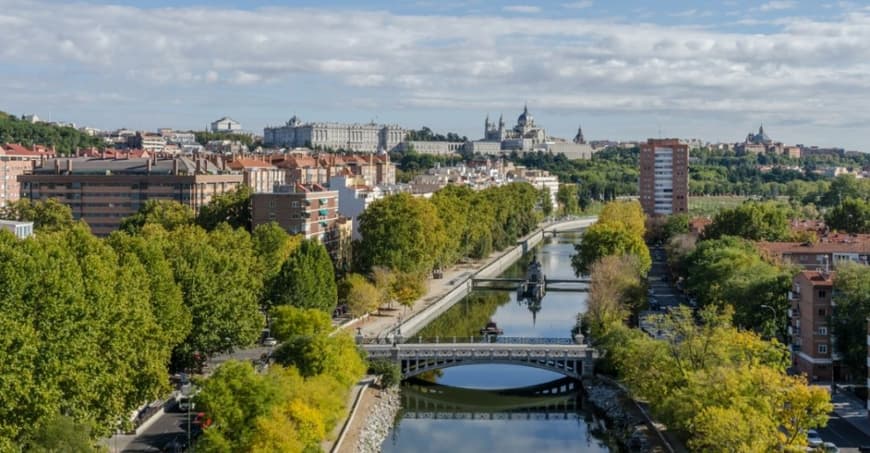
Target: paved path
848	427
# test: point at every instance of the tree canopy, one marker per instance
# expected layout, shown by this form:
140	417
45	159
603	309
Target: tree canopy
751	220
66	140
306	279
618	231
47	215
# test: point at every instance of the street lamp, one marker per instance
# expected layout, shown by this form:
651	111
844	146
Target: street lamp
189	407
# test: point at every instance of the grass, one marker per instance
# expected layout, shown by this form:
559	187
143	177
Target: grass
709	206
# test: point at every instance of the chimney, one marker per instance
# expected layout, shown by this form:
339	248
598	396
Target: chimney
150	163
198	165
56	167
69	166
175	166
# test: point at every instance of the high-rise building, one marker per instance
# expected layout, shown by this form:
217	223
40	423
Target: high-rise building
664	177
812	303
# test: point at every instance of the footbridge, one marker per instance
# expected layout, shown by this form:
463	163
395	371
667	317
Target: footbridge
551	284
560	355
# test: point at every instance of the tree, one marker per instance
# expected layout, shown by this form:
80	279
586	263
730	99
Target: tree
604	239
48	215
307	279
615	292
61	433
408	287
272	246
849	320
336	356
546	202
384	280
233	207
851	216
568	198
361	296
289	321
400	232
390	372
166	213
751	220
217	274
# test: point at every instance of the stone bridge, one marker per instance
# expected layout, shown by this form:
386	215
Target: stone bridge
559	355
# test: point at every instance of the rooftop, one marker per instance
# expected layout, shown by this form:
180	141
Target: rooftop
819	278
832	243
97	166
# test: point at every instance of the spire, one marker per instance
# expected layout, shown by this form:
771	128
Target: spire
761	129
579	139
501	120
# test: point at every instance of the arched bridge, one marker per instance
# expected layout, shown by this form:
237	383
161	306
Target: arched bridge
557	355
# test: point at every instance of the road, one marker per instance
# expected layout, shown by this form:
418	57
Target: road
843	434
165	428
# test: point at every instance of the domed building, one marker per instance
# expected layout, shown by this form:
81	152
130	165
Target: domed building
524	136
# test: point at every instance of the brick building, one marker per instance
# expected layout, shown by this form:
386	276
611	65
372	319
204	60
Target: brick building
310	210
812	343
830	250
104	191
664	177
15	160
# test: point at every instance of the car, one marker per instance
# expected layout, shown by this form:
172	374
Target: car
270	342
829	447
813	439
176	445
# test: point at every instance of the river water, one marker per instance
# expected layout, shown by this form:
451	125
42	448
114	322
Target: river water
493	408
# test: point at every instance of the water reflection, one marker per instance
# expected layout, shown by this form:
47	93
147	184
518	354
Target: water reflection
482	415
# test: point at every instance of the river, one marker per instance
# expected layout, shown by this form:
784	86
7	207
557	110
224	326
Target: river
493	407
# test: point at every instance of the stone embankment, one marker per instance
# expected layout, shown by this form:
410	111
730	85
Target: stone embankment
626	424
379	421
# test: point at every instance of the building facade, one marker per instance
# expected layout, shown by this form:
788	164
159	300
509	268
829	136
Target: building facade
831	250
664	177
308	210
365	138
811	306
539	179
16	160
20	229
104	191
261	176
226	124
435	148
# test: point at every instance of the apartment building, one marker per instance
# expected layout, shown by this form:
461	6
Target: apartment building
309	210
812	342
539	179
20	229
831	249
259	175
104	191
15	160
664	177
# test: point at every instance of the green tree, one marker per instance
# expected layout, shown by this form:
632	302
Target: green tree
360	296
401	232
390	372
336	356
851	216
272	246
546	202
604	239
568	198
751	220
48	215
233	207
289	321
849	320
61	434
408	287
307	279
166	213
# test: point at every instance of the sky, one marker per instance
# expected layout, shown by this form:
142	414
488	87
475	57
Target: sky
624	70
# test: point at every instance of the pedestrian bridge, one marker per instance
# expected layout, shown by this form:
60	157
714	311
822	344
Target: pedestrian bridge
559	355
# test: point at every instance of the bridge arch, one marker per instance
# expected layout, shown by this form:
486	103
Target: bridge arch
572	368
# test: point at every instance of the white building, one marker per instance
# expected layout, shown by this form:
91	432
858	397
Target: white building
261	176
226	124
354	197
21	230
366	138
539	179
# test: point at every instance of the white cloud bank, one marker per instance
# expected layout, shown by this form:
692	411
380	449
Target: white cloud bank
805	71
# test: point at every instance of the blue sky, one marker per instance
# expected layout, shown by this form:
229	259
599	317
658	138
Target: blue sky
623	69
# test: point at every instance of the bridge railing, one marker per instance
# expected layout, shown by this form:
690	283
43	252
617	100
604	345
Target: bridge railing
468	340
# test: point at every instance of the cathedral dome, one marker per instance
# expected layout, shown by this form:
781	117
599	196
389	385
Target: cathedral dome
526	117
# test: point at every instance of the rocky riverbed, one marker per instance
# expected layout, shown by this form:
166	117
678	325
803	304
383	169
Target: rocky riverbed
625	423
379	421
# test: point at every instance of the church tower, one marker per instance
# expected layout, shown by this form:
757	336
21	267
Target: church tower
579	139
501	131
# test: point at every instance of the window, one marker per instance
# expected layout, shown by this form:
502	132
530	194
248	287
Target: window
823	312
822	293
823	331
823	349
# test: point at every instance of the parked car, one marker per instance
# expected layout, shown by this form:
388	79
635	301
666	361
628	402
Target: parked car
813	439
829	447
270	342
185	403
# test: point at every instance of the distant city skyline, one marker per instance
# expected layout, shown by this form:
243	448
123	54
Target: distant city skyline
622	70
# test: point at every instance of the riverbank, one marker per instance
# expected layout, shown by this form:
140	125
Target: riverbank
627	423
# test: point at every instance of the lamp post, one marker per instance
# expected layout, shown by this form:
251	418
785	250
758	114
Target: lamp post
189	407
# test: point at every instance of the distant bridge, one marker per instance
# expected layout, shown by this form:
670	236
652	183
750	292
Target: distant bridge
551	284
558	355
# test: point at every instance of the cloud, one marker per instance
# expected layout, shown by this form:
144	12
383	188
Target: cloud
524	9
578	5
777	5
796	68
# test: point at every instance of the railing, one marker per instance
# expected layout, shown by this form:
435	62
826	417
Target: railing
469	340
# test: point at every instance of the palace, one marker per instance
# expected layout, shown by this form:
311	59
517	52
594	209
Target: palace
365	138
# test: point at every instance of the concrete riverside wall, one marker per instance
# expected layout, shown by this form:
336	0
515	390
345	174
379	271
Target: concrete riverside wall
417	322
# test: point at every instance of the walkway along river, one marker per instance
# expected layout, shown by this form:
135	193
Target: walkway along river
504	408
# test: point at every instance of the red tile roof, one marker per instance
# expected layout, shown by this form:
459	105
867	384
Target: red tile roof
832	243
242	163
817	278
